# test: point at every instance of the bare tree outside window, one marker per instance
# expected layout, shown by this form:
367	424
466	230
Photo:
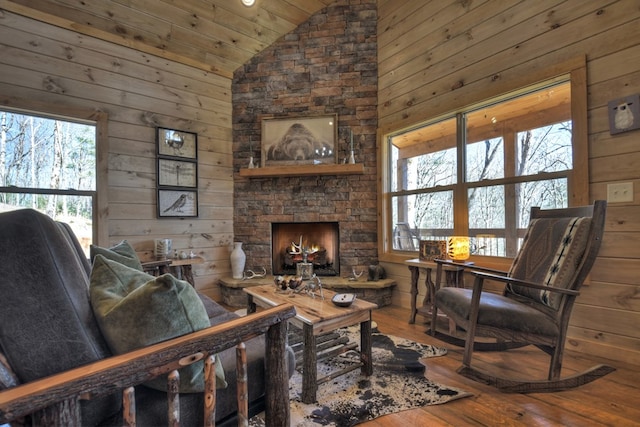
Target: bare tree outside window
516	154
48	164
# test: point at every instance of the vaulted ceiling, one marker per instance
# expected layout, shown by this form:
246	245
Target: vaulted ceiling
215	35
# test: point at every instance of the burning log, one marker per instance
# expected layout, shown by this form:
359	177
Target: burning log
318	257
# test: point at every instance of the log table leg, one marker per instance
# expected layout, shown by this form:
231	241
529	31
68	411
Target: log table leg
430	290
309	365
187	274
277	411
415	274
365	347
251	305
429	296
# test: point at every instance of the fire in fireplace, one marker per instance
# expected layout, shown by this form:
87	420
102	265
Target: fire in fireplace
313	242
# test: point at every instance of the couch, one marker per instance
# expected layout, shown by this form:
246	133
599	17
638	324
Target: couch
48	326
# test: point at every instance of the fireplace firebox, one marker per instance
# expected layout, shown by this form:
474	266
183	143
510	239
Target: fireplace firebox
316	243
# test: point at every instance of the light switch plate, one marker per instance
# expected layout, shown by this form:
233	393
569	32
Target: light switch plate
620	192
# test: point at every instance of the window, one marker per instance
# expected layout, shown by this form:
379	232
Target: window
478	172
49	163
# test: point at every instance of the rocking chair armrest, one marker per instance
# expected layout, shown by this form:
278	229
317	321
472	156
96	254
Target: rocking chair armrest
507	279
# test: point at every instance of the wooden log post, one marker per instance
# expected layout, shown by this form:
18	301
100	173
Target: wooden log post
173	399
64	413
242	390
129	407
210	390
277	378
365	348
309	365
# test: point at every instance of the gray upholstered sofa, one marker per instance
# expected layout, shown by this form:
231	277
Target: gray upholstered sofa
47	326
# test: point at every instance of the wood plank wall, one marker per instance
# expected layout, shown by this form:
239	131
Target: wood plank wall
138	92
435	55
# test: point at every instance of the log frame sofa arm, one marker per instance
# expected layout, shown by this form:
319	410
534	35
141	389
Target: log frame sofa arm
59	394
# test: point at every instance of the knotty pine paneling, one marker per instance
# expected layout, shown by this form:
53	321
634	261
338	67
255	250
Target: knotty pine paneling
455	80
435	57
216	35
138	92
621	245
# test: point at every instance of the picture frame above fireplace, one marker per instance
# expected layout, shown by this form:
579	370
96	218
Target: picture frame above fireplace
305	140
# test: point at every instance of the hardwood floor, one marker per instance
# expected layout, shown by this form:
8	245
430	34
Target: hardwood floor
611	400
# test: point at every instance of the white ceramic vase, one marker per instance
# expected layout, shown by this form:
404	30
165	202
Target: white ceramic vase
238	259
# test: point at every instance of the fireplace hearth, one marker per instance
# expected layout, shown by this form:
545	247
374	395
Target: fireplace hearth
315	243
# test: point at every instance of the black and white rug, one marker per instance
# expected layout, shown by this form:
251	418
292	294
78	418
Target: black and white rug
398	383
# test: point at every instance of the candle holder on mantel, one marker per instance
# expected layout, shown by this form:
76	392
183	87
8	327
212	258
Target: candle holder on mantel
251	165
352	159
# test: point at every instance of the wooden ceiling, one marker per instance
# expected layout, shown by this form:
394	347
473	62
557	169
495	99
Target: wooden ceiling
215	35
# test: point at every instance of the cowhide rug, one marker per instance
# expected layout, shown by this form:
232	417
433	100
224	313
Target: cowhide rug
398	383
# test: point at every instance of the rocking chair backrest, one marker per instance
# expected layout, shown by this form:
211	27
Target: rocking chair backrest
559	249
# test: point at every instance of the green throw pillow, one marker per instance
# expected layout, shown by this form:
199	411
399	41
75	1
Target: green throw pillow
123	253
135	310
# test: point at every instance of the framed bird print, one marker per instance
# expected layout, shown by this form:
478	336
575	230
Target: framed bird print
177	143
177	173
177	203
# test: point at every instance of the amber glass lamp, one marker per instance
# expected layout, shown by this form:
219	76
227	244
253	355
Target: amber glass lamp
458	248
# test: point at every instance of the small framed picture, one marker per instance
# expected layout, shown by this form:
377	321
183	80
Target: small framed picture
299	140
177	143
173	203
177	173
624	114
432	249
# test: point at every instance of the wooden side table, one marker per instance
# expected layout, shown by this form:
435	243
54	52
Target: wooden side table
454	276
180	268
183	268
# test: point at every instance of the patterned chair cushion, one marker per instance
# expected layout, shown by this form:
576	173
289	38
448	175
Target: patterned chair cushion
551	251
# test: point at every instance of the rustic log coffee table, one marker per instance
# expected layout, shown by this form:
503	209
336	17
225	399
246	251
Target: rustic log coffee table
317	316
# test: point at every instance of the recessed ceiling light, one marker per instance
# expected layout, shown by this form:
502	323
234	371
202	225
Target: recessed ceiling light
248	2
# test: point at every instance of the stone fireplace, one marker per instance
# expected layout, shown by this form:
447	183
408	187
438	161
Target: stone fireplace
328	65
317	243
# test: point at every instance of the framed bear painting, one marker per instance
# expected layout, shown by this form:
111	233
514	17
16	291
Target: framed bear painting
299	140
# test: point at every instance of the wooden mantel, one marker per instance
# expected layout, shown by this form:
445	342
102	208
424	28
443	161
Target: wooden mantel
303	170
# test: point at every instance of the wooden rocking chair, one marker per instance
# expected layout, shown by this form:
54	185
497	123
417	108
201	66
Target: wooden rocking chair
557	253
